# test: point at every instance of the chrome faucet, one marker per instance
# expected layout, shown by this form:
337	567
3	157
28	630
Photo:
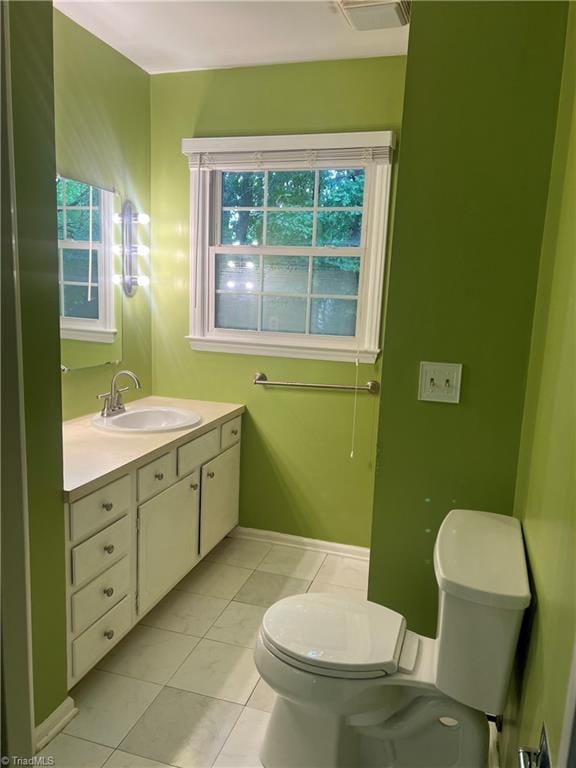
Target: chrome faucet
113	403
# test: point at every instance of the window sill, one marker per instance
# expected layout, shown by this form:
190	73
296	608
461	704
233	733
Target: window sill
274	349
102	335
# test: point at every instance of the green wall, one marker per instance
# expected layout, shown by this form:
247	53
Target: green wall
546	488
482	86
33	116
102	105
297	475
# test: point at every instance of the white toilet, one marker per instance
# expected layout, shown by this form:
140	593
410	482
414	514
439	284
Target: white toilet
356	689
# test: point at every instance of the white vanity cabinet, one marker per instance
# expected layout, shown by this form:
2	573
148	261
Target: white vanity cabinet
135	535
220	491
167	540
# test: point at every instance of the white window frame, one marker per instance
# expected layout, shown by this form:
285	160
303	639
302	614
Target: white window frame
371	151
103	329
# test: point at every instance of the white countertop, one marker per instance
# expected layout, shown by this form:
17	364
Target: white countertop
91	453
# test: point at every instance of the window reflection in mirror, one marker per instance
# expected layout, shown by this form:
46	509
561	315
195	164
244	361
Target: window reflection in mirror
90	297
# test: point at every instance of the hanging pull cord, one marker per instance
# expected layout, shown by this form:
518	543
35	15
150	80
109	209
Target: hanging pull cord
354	411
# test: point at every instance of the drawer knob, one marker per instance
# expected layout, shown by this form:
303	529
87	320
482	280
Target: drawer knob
194	486
210	475
159	475
234	432
109	634
109	591
107	506
109	548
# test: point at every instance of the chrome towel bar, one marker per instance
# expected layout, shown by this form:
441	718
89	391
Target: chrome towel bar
371	387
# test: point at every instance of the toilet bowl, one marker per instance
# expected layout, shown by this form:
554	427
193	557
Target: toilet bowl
356	688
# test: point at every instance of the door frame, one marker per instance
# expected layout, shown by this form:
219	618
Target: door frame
18	733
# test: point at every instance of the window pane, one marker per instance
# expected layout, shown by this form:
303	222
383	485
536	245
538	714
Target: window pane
289	188
77	193
78	225
237	311
333	317
241	228
286	274
341	188
336	276
95	225
339	228
243	190
283	314
60	192
76	302
237	273
75	265
289	229
60	225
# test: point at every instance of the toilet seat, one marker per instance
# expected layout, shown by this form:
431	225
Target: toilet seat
334	636
317	670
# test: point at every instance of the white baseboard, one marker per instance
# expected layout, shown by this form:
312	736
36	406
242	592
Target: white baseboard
288	540
54	723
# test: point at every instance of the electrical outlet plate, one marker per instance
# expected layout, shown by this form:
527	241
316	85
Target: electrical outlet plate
440	382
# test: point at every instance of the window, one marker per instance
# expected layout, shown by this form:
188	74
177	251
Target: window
288	244
85	261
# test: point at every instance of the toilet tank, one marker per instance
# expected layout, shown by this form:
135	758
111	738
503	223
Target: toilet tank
482	577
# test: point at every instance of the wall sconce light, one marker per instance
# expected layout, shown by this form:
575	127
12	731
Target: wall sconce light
129	249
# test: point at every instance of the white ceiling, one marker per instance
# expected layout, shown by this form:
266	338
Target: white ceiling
167	36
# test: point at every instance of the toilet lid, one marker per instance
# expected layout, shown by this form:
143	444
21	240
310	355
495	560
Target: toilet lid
329	631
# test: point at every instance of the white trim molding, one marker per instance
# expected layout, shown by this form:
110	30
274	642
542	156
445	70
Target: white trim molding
72	329
208	157
266	347
55	723
289	540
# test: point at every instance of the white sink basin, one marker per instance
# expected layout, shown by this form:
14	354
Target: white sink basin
153	419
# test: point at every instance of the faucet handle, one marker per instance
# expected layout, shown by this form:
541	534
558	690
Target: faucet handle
106	396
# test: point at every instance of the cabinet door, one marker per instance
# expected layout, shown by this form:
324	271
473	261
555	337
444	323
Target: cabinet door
220	492
167	540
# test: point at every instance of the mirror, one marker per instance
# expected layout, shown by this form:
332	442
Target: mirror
89	275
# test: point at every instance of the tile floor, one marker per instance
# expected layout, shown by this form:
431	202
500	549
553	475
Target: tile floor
182	689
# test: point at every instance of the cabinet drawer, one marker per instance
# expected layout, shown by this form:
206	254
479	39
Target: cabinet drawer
231	432
156	476
196	452
96	510
100	550
93	600
101	637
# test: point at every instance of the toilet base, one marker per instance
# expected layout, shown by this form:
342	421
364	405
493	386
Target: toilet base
298	737
414	737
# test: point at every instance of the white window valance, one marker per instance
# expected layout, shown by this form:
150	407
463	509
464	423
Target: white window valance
333	150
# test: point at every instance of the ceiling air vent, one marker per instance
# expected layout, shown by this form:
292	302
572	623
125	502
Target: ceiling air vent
365	15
